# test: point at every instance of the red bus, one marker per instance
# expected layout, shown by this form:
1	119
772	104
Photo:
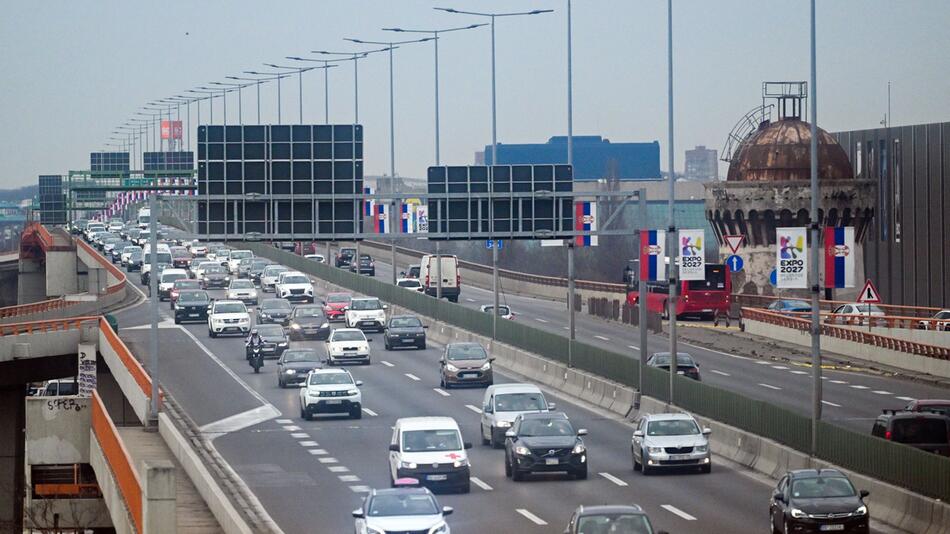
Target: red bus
704	298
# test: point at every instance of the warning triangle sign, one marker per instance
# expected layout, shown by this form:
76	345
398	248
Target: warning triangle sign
869	294
734	242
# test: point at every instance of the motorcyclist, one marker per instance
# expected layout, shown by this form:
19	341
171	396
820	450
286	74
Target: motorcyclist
254	341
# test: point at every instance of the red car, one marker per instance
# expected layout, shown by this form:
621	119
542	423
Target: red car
178	287
335	305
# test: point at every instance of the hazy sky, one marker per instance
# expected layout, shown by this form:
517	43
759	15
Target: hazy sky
74	70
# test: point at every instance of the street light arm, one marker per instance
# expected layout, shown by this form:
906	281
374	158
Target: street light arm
390	44
435	32
479	14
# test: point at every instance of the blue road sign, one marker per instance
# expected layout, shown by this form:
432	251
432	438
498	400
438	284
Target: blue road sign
735	263
773	278
499	244
489	243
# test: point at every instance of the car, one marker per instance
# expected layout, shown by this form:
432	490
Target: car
178	287
289	246
192	306
223	257
464	364
366	313
685	364
544	443
789	306
256	268
412	284
215	276
813	500
430	450
335	304
126	252
109	243
274	311
502	403
401	509
366	265
242	290
134	263
167	279
60	387
181	258
413	271
162	257
132	234
347	345
294	365
145	275
941	406
269	277
924	430
115	255
197	249
448	268
198	268
404	331
294	286
943	322
344	257
228	317
852	313
214	250
309	321
319	258
331	391
667	440
610	518
235	257
273	341
504	311
243	267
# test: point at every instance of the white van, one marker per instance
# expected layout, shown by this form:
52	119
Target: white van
430	450
502	403
235	258
451	276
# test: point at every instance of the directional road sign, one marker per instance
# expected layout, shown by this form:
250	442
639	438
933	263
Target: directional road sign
735	263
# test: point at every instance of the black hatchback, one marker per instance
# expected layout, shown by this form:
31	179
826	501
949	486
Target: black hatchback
295	364
817	501
404	331
544	443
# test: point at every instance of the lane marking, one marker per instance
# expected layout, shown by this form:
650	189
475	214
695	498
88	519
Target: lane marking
317	452
475	409
360	489
602	338
760	362
908	399
387	364
769	386
718	372
676	511
369	412
338	468
291	428
531	517
613	479
328	460
831	404
540	320
348	478
413	377
478	482
720	352
779	367
442	392
241	420
838	382
469	300
284	421
308	443
632	347
300	435
794	372
858	386
566	327
882	392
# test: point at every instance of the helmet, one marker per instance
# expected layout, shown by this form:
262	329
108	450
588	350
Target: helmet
253	331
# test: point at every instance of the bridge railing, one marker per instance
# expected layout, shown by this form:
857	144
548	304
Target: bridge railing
49	325
118	460
745	300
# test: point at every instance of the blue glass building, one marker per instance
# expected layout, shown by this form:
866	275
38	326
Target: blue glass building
594	157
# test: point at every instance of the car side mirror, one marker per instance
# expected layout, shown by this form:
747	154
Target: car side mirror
425	326
487	409
369	340
552	406
467	445
707	431
359	383
638	433
864	493
385	306
358	513
491	360
394	447
778	496
510	434
582	432
447	510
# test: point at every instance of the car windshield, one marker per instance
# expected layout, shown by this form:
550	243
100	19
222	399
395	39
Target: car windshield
163	257
242	284
347	335
296	279
409	283
822	488
321	379
171	277
241	254
338	297
942	409
270	330
129	250
275	304
136	255
308	311
405	322
545	427
519	402
682	359
466	352
193	296
919	430
230	307
673	427
273	271
301	356
790	304
402	504
502	310
868	308
181	254
214	269
365	304
186	284
614	524
258	264
431	440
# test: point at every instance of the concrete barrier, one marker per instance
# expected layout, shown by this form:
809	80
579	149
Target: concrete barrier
128	373
119	513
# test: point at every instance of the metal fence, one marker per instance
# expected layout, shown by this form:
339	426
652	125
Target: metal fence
895	463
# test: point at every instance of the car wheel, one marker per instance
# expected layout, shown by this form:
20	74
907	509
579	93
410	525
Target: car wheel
280	383
356	414
665	315
422	346
442	381
644	468
516	474
303	413
177	320
211	333
507	467
386	346
636	464
453	299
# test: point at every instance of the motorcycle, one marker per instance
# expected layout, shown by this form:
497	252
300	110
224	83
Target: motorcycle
257	359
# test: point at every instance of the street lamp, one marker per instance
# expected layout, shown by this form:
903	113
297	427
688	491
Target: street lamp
355	57
300	71
277	76
326	84
239	86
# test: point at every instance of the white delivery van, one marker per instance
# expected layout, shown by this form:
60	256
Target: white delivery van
451	276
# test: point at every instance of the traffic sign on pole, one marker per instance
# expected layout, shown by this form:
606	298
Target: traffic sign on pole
734	242
869	294
735	263
489	243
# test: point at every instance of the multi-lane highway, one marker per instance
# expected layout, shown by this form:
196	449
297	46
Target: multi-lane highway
309	475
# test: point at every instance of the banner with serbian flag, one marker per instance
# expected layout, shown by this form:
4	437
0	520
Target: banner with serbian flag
585	220
367	204
406	218
839	257
652	255
380	218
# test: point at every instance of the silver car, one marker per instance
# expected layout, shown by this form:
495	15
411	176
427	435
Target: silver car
401	509
670	440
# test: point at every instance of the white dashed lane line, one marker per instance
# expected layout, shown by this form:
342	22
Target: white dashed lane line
291	428
676	511
387	364
283	421
718	372
613	479
760	362
338	469
475	409
360	489
531	517
770	386
829	403
908	399
348	478
469	300
309	444
478	482
540	320
632	347
369	412
602	338
779	367
882	392
413	377
442	392
799	372
328	460
300	435
317	452
838	382
856	386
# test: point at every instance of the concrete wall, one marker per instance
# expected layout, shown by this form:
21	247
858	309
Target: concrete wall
57	430
121	518
929	337
31	282
130	388
47	344
61	277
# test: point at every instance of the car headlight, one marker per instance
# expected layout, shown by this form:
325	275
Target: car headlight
654	450
325	325
579	449
504	424
451	368
701	448
309	291
290	372
244	320
862	510
460	463
282	344
796	513
521	450
407	465
265	315
353	392
441	528
294	326
371	530
487	366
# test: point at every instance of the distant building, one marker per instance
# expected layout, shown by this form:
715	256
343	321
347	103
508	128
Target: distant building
595	158
52	201
702	164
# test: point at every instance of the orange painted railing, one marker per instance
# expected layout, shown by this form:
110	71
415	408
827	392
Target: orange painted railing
848	334
887	321
35	307
41	232
119	460
761	301
50	325
138	373
106	264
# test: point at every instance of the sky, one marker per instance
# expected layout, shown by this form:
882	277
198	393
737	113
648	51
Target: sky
74	71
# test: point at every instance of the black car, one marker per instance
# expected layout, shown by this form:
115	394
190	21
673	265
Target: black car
192	306
811	500
924	430
256	268
345	256
243	267
367	265
135	261
685	364
309	321
274	338
544	442
404	331
215	276
620	518
116	253
274	311
293	366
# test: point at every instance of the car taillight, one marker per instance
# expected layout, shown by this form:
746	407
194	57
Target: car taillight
887	435
427	281
458	280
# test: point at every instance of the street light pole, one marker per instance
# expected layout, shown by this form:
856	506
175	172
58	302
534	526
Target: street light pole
355	57
813	274
671	238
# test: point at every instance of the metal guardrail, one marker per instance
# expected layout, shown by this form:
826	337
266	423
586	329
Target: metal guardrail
35	307
119	460
107	265
848	334
50	325
886	321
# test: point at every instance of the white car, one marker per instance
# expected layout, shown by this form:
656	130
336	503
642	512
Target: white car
366	314
430	450
347	345
504	311
319	258
412	284
294	286
502	403
126	252
269	277
198	269
943	322
228	317
331	391
116	227
235	258
167	280
401	509
840	315
244	291
197	249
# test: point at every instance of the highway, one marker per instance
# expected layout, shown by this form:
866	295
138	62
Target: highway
309	475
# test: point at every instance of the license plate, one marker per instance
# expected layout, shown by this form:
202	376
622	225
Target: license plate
193	314
679	457
468	375
349	355
681	372
550	461
409	341
825	528
334	402
436	477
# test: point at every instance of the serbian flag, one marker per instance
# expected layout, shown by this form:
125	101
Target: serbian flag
585	220
839	257
379	218
652	255
367	204
404	208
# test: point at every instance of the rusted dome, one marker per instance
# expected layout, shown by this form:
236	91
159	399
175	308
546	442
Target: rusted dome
780	151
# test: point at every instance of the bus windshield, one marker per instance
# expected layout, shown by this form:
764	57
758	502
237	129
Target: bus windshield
715	279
